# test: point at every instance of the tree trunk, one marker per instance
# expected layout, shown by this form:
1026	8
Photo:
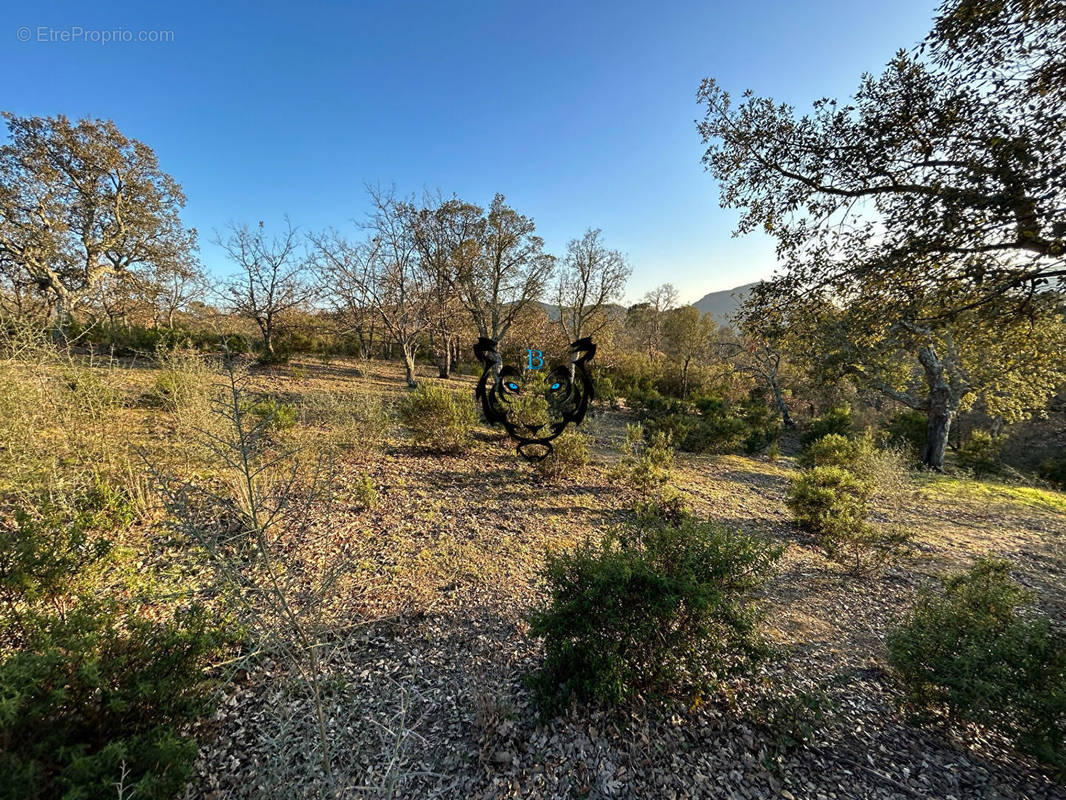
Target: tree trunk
780	400
684	379
444	360
936	437
409	365
942	405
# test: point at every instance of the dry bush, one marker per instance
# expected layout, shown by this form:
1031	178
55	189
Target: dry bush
59	419
255	520
570	454
355	421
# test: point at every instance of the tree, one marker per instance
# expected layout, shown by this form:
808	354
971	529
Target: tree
646	317
272	280
941	187
688	338
507	272
446	234
1012	365
591	277
172	287
383	272
79	202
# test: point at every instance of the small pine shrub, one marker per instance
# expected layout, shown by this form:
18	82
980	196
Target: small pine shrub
773	452
829	500
651	611
668	508
968	649
837	420
363	493
982	453
1054	470
87	683
439	418
835	450
646	466
570	454
271	414
833	503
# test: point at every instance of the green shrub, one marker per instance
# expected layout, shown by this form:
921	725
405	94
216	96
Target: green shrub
570	453
652	611
646	466
1054	470
669	507
837	420
763	427
88	686
833	503
273	415
982	453
835	450
439	418
362	492
968	649
184	381
907	429
829	500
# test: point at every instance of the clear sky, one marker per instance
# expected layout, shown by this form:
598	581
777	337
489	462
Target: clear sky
581	113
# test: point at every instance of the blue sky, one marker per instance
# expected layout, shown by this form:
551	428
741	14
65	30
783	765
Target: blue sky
582	114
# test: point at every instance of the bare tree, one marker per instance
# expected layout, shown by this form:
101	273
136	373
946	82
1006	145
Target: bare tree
591	277
79	202
272	280
383	272
508	271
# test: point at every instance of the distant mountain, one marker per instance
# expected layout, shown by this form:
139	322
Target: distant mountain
720	305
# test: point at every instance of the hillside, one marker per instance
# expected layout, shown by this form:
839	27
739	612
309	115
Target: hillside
721	305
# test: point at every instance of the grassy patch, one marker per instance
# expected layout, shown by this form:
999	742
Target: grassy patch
989	491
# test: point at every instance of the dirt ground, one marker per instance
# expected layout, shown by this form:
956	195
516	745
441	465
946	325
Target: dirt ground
426	693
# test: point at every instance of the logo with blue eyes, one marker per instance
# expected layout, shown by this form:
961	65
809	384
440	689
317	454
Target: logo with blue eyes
532	406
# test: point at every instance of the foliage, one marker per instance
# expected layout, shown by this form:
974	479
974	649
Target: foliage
833	503
835	450
709	423
82	204
182	382
1054	470
645	465
836	420
438	417
650	611
668	507
982	453
357	421
362	492
830	501
932	186
271	413
907	428
90	688
570	453
263	509
793	719
969	649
